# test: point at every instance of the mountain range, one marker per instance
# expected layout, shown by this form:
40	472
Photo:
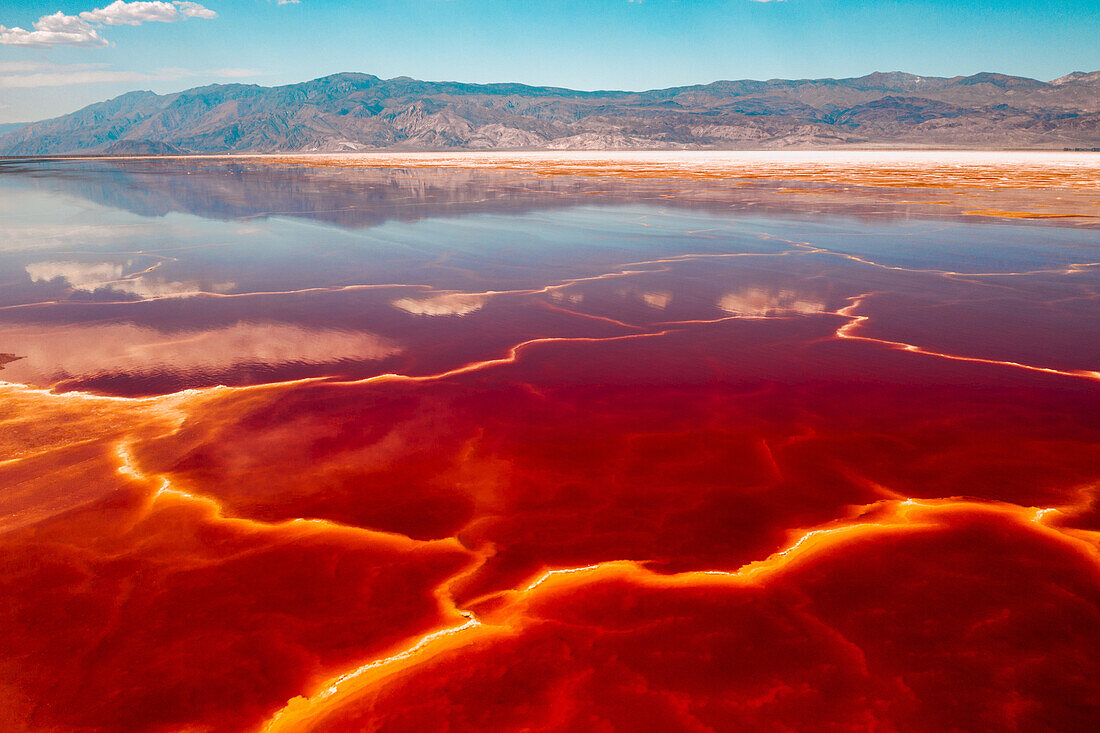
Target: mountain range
361	112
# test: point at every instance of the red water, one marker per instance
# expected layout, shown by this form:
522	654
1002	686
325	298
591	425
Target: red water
626	467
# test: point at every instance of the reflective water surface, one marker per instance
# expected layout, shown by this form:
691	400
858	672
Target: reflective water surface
403	445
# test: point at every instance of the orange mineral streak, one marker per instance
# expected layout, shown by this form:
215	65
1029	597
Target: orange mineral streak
165	415
905	516
1018	214
863	618
57	449
125	523
128	466
937	170
507	615
849	331
511	357
467	625
1071	269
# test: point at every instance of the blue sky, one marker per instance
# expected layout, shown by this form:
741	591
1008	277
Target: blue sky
586	44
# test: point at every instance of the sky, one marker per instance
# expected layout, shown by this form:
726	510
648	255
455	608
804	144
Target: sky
59	55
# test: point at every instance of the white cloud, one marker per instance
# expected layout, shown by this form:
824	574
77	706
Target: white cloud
194	10
80	30
135	13
53	30
65	77
23	67
233	73
51	75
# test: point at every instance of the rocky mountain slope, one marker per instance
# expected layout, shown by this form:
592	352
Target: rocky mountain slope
354	112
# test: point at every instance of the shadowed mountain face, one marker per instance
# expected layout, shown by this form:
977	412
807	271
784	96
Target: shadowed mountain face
353	112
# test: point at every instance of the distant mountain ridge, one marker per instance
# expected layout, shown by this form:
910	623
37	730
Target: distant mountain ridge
358	112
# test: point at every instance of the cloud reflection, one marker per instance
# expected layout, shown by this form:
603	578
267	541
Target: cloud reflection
448	304
92	276
759	302
657	299
82	350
